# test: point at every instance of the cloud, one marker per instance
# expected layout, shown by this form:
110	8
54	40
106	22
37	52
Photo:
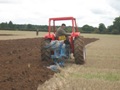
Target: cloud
115	4
9	1
99	11
91	12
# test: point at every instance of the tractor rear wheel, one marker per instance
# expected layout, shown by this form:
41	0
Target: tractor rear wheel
45	53
79	50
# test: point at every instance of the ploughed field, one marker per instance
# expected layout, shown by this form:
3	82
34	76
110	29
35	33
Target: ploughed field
21	67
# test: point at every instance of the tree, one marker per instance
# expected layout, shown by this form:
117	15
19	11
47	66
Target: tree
96	30
110	28
4	26
87	29
116	23
69	29
115	31
102	28
10	25
30	27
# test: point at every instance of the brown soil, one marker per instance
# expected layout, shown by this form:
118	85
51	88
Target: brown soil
21	67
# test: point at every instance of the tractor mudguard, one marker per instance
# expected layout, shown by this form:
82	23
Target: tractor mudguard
50	36
75	34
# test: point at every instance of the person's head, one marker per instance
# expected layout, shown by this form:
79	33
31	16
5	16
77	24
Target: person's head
63	25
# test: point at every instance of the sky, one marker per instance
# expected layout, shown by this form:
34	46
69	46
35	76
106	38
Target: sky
38	12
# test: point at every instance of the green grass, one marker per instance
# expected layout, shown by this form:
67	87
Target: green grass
102	76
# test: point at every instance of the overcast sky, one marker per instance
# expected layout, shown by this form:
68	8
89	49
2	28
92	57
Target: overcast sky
91	12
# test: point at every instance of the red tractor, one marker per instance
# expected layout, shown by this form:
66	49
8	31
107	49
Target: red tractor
77	46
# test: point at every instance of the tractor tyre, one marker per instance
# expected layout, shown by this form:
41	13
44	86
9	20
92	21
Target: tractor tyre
79	50
45	53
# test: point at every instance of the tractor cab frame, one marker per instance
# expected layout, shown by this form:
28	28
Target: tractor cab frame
77	46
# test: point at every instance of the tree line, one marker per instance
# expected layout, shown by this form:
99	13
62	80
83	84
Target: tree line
23	27
102	29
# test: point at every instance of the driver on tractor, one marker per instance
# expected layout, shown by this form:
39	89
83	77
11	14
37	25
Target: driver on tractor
62	35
